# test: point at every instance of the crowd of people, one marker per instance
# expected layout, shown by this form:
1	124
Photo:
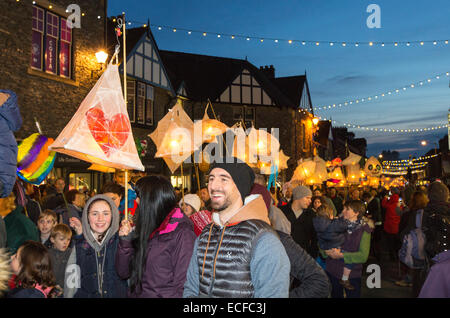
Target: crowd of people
232	238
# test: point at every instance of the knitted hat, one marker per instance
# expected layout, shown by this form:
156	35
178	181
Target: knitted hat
301	192
193	200
438	192
259	189
242	175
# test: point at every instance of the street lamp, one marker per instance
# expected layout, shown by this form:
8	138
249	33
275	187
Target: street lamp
101	57
315	121
424	143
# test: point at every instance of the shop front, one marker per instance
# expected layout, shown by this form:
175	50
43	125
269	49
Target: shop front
77	175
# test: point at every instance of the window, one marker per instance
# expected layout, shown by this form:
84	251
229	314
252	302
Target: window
37	38
249	117
140	101
65	49
140	105
51	49
303	137
149	105
250	114
237	113
131	100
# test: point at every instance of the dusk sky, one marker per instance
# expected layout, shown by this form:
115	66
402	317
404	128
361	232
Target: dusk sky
336	74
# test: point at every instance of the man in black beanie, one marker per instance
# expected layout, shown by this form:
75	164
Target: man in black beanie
238	254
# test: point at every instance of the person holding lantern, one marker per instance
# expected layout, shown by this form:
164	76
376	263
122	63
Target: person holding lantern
155	255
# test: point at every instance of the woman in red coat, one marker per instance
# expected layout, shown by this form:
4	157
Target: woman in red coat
391	222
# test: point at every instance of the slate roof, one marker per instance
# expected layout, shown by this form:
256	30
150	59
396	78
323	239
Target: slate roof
207	77
292	87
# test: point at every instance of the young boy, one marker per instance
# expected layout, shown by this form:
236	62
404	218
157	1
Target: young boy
331	234
60	252
46	222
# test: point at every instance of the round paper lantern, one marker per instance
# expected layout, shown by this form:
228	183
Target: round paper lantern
353	174
320	172
304	170
373	167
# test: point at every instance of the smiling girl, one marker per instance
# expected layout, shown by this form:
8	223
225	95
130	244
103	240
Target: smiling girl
95	249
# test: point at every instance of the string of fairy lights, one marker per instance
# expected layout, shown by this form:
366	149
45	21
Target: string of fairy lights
386	130
409	161
317	43
311	43
388	93
376	129
402	168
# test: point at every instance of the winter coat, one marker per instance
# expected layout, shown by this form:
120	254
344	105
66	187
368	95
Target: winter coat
302	229
374	209
19	229
330	233
169	251
243	251
437	284
10	121
33	209
278	220
392	219
312	279
2	233
54	201
25	293
338	204
355	250
72	212
97	274
59	264
436	226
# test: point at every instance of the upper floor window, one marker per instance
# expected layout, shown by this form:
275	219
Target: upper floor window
51	43
140	101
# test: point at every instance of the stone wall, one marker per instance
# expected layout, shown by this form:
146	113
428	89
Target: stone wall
51	99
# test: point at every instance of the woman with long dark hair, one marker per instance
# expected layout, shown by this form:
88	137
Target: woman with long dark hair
156	254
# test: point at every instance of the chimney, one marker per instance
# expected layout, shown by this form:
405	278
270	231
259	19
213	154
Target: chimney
269	72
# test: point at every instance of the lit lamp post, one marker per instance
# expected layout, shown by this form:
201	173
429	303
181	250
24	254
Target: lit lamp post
315	121
424	143
101	57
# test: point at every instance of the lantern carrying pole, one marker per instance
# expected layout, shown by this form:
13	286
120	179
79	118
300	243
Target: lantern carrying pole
182	183
125	98
126	195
